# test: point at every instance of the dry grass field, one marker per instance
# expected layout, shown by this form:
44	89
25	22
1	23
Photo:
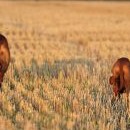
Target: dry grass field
61	59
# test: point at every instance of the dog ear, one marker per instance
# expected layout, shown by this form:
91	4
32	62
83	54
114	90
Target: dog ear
0	67
111	80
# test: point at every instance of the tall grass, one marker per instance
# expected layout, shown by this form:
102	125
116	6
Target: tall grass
70	94
61	59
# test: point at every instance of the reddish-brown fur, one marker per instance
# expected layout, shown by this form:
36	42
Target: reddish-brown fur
4	57
121	77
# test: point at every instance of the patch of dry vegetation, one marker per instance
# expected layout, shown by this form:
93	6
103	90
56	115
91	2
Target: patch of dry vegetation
62	53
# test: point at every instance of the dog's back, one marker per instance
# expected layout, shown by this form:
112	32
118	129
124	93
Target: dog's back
4	53
4	57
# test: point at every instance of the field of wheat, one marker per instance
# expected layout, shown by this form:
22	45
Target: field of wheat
61	59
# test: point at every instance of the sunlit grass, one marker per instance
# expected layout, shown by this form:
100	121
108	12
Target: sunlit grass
63	95
61	59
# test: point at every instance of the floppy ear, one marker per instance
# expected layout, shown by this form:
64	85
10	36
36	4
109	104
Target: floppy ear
0	66
111	80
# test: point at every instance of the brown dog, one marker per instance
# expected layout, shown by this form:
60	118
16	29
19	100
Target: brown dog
121	77
4	57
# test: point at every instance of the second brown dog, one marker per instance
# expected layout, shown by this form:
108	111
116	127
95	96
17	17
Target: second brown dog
121	77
